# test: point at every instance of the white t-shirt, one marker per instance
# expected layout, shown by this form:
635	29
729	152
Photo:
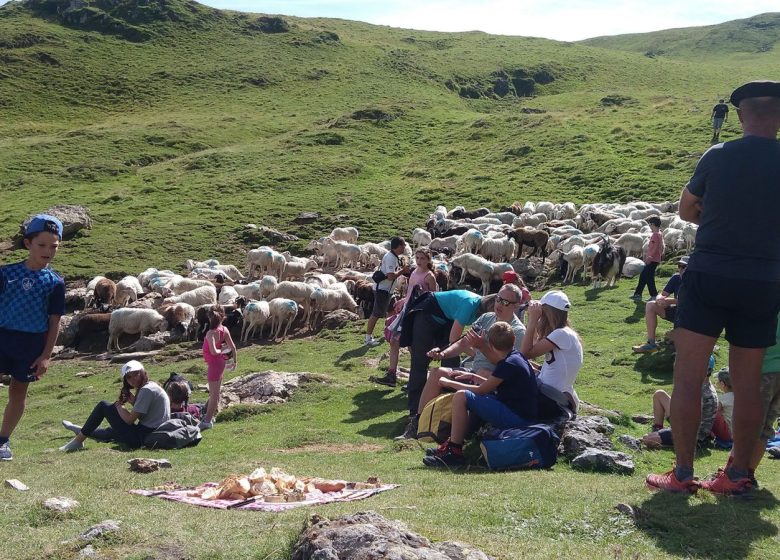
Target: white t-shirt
389	264
726	401
562	364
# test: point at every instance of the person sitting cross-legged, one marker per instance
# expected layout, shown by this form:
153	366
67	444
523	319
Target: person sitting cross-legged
664	306
508	398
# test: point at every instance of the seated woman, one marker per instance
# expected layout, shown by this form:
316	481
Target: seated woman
151	407
507	398
550	334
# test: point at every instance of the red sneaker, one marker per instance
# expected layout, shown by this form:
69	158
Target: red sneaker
668	482
722	484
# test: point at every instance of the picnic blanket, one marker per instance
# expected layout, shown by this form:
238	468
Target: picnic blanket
311	498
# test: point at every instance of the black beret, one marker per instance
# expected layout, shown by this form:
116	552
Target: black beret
764	88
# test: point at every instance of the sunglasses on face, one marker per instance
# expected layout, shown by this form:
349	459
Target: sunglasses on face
505	302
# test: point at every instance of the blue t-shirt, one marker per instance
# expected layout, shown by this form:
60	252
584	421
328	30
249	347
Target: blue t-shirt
518	389
739	234
458	305
28	297
673	285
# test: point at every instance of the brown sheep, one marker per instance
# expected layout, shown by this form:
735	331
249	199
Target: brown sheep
104	293
91	323
364	296
516	208
530	237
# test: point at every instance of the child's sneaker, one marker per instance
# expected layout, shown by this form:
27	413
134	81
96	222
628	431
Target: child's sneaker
204	425
668	483
722	484
447	459
388	379
5	452
645	348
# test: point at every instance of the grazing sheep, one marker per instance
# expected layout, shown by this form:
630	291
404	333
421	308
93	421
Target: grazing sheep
420	238
537	239
90	323
460	213
180	317
150	275
632	243
504	217
299	292
197	297
477	267
298	269
190	264
263	261
177	285
152	300
546	208
89	300
320	280
347	234
565	211
348	254
445	243
250	291
325	300
227	295
127	289
283	312
471	241
575	259
133	321
533	220
103	294
516	208
498	249
256	314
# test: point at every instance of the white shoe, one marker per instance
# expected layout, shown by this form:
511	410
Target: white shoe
5	452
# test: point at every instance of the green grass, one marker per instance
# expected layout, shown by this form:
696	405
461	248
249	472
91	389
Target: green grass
342	426
177	129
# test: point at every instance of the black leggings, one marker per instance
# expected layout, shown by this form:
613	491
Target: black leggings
132	435
427	334
647	278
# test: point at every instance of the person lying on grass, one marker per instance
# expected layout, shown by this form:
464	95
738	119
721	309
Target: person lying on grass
507	398
151	408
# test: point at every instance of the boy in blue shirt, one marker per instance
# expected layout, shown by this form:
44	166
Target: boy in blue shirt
32	300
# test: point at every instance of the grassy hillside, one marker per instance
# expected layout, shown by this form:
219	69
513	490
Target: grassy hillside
739	39
177	129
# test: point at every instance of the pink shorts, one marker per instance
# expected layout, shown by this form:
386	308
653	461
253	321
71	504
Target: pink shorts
216	369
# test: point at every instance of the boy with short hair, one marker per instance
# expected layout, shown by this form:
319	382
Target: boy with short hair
32	300
508	398
655	250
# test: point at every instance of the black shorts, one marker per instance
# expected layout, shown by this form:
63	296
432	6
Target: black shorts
18	350
381	302
670	313
666	437
745	309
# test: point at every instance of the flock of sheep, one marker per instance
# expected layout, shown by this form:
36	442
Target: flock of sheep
474	245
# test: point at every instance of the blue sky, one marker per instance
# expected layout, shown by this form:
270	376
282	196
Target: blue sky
565	20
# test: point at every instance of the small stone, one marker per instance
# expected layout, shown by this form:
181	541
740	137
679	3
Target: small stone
625	508
142	465
630	442
100	530
16	485
88	552
642	419
60	505
600	460
85	373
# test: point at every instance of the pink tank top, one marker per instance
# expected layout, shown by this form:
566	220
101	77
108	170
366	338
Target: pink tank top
417	278
207	355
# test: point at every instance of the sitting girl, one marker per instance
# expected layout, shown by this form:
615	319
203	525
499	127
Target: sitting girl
151	408
549	334
179	394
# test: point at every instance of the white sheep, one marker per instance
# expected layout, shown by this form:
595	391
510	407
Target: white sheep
227	295
133	321
256	314
420	238
477	267
268	285
127	289
348	254
546	208
325	300
632	243
283	312
498	249
250	291
298	268
177	285
591	250
445	243
503	217
264	260
565	211
576	261
471	241
689	235
320	280
197	297
190	264
348	234
528	208
299	292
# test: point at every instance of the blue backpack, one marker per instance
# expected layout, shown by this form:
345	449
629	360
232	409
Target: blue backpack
532	447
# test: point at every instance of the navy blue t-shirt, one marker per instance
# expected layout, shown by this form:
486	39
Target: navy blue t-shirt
28	297
720	110
673	285
739	233
518	388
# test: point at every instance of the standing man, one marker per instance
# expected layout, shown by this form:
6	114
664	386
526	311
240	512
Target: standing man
739	249
390	269
720	113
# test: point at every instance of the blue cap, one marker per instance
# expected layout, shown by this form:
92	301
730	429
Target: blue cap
44	222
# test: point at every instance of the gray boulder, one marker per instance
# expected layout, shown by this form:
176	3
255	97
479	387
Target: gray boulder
264	387
600	460
338	319
598	424
368	536
100	530
576	441
60	505
630	442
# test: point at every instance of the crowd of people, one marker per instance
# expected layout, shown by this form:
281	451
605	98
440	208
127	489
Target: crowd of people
486	345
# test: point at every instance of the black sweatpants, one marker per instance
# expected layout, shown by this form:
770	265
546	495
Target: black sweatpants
647	278
132	435
426	335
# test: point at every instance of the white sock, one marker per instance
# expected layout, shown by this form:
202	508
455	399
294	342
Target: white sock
71	426
72	445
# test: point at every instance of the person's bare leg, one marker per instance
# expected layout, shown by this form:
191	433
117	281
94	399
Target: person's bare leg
14	409
460	418
690	369
213	403
758	453
745	370
370	324
661	407
652	312
395	350
432	388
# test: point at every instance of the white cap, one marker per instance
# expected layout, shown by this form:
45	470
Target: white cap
132	365
556	299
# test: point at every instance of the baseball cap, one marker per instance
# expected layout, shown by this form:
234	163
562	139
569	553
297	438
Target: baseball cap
44	222
683	260
758	88
510	276
132	365
556	299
